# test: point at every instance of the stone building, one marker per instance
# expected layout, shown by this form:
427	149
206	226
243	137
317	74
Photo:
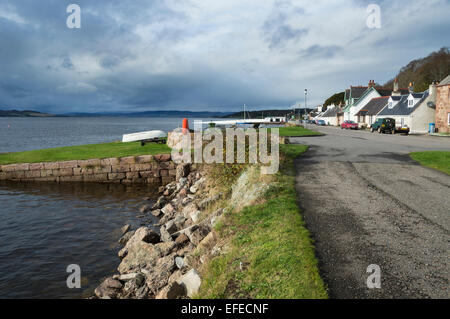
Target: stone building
443	106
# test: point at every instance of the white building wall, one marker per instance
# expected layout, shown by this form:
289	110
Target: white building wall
361	104
422	117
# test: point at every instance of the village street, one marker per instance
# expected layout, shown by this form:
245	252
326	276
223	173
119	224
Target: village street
366	202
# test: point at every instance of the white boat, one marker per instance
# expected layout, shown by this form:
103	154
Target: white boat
144	136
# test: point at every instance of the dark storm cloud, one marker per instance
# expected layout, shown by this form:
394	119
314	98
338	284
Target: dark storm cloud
205	55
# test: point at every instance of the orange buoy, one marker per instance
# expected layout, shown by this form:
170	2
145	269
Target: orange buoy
185	126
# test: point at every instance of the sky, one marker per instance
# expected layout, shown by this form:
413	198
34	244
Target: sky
205	55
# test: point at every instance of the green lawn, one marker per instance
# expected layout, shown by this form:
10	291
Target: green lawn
84	152
297	131
439	160
271	242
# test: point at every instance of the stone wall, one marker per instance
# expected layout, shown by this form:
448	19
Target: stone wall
443	108
145	169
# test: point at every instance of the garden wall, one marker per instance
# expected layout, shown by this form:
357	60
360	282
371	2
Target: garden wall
145	169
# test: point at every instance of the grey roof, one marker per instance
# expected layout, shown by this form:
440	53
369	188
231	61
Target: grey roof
445	81
331	112
374	106
357	91
402	107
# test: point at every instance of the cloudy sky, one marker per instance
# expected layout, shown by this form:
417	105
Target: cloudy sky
204	54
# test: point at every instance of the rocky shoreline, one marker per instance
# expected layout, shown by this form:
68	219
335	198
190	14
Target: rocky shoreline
164	264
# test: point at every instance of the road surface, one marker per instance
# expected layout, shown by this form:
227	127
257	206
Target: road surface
366	202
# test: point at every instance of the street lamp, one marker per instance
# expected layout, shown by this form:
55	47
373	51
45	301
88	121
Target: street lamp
306	93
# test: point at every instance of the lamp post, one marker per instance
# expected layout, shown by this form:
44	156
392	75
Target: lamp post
306	93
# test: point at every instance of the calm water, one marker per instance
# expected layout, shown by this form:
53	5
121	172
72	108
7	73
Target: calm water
46	227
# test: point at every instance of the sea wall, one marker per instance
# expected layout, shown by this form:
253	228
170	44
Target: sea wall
145	169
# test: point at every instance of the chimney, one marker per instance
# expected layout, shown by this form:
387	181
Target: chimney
396	92
411	87
371	83
432	91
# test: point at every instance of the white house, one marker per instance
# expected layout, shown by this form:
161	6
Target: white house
414	110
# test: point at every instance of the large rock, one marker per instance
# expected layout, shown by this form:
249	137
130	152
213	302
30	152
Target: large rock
189	209
109	288
165	235
143	255
183	170
158	277
146	235
126	237
125	229
197	235
168	210
160	203
172	291
191	281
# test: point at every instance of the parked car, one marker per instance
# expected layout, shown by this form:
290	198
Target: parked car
349	125
388	125
321	123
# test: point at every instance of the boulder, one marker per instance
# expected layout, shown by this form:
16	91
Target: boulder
156	212
108	288
180	262
126	237
171	227
146	235
144	209
160	203
182	170
165	235
189	209
181	240
191	281
158	277
172	291
195	216
138	278
197	235
125	229
168	210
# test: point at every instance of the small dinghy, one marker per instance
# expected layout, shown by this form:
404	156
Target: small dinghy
145	137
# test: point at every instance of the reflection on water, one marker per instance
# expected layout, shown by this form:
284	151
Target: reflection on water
46	227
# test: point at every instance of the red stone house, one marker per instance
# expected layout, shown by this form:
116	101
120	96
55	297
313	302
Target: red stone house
443	106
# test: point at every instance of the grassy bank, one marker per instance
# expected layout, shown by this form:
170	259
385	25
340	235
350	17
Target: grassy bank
439	160
84	152
271	254
297	131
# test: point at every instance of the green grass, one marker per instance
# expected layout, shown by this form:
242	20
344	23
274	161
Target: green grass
439	160
296	131
84	152
273	245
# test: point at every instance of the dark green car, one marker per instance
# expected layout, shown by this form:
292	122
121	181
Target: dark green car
387	125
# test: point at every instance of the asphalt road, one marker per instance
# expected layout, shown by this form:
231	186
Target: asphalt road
366	202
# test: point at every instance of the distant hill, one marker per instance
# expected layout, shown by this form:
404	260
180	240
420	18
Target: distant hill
264	113
176	114
422	72
15	113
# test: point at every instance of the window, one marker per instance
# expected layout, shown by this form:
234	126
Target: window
448	119
391	105
410	103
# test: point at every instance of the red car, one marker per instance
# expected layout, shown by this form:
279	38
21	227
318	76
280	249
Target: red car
349	125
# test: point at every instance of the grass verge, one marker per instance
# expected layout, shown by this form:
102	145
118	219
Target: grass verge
439	160
296	131
271	254
84	152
